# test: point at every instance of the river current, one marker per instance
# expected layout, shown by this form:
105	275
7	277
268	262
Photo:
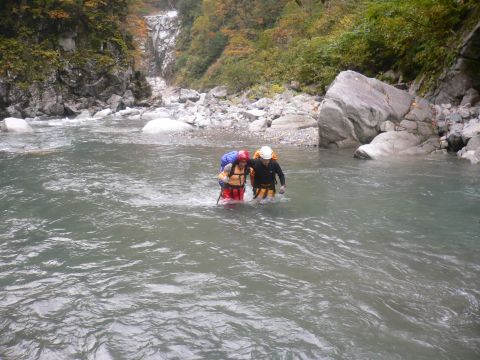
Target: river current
112	247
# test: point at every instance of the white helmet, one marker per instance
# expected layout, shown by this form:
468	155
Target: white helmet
266	152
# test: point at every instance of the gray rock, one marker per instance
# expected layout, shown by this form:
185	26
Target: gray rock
262	103
355	106
408	124
294	85
387	126
219	92
71	109
14	111
472	155
442	127
187	94
421	110
454	118
285	97
464	74
128	100
252	115
391	76
470	129
294	122
258	125
67	42
473	143
425	148
335	129
115	102
454	137
471	97
425	130
387	144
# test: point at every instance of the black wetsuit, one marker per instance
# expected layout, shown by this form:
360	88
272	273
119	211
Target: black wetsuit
265	175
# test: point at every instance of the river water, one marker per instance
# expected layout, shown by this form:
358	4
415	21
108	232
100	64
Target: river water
112	247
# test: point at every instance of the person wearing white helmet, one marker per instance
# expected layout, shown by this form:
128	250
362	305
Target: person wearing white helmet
264	172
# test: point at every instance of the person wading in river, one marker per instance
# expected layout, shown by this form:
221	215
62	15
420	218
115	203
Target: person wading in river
234	176
264	171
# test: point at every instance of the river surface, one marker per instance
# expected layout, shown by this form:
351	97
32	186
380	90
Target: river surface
112	247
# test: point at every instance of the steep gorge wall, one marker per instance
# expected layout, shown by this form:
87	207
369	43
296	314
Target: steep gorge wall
62	57
464	74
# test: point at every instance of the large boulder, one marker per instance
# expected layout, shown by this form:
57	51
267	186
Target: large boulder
15	125
388	144
355	106
294	122
165	125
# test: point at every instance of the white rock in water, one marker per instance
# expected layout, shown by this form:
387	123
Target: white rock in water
102	113
387	144
165	125
472	155
16	125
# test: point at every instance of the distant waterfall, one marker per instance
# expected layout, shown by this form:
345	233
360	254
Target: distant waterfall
163	29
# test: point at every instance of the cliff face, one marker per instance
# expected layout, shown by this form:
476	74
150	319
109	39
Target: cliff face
464	75
61	57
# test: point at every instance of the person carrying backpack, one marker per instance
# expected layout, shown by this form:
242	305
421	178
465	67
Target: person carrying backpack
264	171
233	177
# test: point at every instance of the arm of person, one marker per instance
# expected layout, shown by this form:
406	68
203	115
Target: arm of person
280	174
224	175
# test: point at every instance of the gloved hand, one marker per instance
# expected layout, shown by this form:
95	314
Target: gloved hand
226	179
282	189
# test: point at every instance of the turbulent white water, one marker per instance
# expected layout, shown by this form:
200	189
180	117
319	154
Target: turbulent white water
111	247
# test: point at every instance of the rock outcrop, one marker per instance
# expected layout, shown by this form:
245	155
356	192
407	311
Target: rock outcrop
463	78
354	108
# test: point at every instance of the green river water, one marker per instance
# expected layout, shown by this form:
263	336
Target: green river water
112	247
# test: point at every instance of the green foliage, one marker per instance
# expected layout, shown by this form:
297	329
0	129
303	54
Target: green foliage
313	42
30	32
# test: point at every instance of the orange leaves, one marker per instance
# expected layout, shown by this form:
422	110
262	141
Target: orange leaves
58	14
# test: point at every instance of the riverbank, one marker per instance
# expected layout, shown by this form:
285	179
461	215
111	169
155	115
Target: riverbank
374	119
